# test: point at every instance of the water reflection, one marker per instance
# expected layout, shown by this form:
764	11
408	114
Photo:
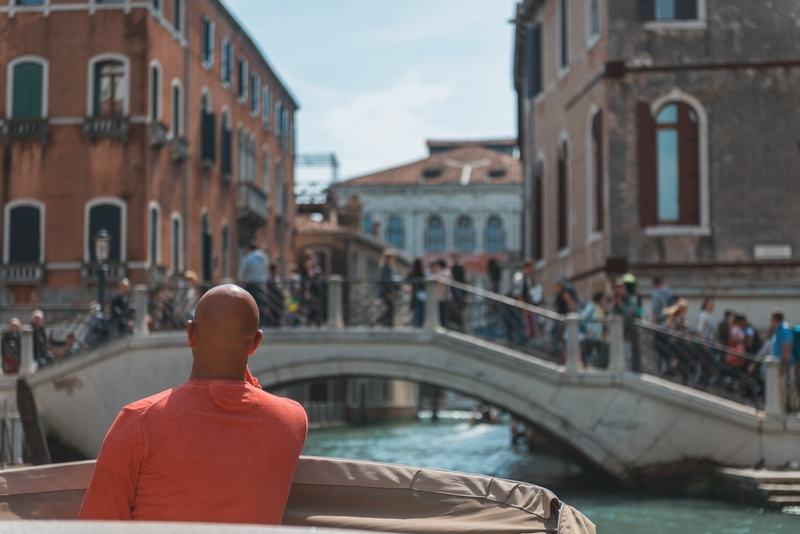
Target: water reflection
486	449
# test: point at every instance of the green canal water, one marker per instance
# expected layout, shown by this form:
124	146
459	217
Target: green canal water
487	450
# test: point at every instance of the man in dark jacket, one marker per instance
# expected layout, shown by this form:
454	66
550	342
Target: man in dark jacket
41	351
457	310
10	348
389	289
121	311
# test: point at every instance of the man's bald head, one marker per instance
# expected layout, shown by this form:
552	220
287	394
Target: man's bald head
224	332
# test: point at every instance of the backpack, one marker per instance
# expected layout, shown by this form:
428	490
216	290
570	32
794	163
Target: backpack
796	344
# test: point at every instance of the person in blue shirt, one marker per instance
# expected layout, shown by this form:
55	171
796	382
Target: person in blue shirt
782	341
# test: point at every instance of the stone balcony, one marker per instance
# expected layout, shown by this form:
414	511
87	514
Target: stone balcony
251	203
159	134
20	274
180	149
24	130
106	128
116	272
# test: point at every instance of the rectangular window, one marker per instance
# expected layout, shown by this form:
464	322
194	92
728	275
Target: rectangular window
533	60
255	94
207	45
668	10
27	91
265	169
226	62
176	110
594	19
241	75
209	139
563	38
278	121
155	93
29	3
226	141
177	14
266	106
668	206
109	89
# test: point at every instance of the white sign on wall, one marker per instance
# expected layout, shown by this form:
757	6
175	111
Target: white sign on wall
773	252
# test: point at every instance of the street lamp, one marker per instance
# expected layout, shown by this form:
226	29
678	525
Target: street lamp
102	249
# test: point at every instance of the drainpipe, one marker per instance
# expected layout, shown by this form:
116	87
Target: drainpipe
186	110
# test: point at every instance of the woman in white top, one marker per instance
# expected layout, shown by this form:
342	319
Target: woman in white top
705	325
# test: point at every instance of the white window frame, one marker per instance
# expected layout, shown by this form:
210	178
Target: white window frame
176	216
151	261
159	8
45	64
593	236
155	64
563	70
20	202
245	79
210	62
266	107
593	38
486	221
126	62
562	140
700	23
179	132
123	213
225	64
206	92
255	102
704	228
177	16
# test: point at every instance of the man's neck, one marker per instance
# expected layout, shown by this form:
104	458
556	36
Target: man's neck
199	374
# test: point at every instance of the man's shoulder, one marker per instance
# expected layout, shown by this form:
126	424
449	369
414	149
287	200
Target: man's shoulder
278	403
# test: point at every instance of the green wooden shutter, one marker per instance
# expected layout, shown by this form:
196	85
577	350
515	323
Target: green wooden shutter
28	79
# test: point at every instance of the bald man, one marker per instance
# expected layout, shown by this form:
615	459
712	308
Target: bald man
217	449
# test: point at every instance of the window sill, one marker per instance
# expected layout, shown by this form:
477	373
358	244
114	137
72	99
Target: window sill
562	72
592	41
677	231
207	65
655	25
226	85
539	97
594	237
564	253
541	264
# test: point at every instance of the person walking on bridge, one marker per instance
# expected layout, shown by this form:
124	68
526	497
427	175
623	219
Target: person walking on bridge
253	276
217	449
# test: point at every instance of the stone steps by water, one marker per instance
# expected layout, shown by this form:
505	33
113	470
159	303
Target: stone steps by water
763	487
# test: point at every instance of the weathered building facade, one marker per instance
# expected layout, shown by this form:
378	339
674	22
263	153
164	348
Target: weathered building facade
160	121
466	196
660	137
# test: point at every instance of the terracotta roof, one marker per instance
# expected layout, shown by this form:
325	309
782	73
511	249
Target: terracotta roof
489	166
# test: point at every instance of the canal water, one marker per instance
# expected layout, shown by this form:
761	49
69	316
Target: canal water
487	450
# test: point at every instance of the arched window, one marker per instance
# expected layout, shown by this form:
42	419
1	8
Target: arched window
110	214
434	239
155	232
207	249
671	173
155	91
110	89
495	236
395	232
177	238
177	111
465	236
563	195
226	251
208	128
538	210
27	88
227	144
24	232
596	174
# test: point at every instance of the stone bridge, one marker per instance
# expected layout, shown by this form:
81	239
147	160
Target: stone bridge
620	422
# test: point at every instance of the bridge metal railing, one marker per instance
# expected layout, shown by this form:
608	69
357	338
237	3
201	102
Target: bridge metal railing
698	363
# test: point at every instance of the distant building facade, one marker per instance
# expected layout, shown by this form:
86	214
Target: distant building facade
465	196
160	121
660	137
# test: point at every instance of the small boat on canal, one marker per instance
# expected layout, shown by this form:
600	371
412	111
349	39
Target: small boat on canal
326	494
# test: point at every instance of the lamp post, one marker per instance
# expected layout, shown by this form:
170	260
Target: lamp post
102	249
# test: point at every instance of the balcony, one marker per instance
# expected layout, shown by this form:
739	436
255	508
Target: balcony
106	128
158	276
251	203
20	274
159	134
116	272
25	130
180	149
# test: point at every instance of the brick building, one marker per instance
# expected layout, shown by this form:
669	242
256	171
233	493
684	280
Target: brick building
160	121
660	136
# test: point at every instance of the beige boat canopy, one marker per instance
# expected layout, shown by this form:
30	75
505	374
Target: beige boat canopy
333	493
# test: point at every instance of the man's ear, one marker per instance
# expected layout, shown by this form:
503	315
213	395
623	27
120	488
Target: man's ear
190	333
256	342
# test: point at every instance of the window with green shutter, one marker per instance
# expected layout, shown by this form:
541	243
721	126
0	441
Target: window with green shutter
28	78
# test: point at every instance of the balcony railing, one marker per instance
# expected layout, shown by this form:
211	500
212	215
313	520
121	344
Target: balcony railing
180	149
159	134
106	127
116	272
251	203
158	276
22	273
25	129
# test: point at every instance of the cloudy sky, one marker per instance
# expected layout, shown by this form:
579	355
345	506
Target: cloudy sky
375	79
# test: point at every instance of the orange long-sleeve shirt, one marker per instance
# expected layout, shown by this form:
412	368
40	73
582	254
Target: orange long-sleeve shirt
220	451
